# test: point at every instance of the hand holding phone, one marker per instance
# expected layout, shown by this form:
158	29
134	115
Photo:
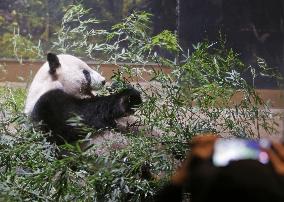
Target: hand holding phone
276	156
227	150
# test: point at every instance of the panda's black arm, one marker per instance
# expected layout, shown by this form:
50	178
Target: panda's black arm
111	107
56	107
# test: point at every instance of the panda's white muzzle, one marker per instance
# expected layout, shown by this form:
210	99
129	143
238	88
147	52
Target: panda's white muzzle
97	81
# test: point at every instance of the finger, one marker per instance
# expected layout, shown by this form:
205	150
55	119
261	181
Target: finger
279	148
204	150
273	156
277	163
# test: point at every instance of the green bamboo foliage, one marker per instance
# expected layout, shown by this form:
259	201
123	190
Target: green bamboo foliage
193	98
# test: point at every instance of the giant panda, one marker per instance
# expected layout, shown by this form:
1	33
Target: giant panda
62	88
65	72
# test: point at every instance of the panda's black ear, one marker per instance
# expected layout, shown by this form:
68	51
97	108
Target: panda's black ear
53	62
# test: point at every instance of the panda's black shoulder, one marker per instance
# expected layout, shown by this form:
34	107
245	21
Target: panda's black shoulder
51	102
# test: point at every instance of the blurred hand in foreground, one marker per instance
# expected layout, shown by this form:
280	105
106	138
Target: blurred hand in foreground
276	156
202	147
245	180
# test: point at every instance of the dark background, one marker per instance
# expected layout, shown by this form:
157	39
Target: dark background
253	28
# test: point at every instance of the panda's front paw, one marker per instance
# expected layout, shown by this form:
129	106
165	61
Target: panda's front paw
133	97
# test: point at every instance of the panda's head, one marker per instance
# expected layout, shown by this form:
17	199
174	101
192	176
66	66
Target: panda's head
73	74
65	72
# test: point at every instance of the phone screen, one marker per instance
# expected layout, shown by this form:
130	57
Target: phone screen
226	150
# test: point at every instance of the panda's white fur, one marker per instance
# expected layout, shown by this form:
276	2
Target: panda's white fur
68	76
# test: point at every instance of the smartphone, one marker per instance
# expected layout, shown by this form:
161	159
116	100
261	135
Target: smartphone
227	150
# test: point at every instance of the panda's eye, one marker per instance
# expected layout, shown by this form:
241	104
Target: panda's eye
86	72
87	76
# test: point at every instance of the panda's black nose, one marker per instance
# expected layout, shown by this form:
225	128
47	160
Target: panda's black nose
103	82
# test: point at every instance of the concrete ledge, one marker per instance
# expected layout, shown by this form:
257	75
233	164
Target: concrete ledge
14	74
13	71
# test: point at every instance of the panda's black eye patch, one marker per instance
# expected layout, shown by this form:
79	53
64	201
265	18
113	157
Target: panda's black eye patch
87	76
